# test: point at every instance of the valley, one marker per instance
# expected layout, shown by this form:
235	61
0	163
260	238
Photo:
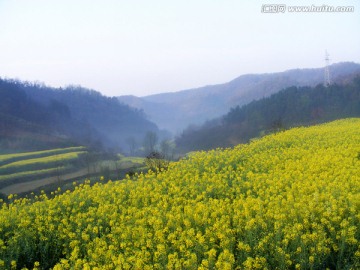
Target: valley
272	183
179	135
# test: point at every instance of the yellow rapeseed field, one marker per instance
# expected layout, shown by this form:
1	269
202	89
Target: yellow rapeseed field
287	201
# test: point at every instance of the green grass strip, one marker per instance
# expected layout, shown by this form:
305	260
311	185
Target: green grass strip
6	157
44	160
30	173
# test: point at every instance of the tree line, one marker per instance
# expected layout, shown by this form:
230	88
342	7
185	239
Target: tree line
293	106
34	116
150	144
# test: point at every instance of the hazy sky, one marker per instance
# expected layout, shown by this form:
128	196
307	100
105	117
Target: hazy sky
142	47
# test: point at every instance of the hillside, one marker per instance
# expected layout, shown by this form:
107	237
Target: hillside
34	117
293	106
175	111
287	201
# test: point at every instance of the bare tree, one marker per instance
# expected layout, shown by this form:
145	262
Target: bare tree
132	145
150	141
167	148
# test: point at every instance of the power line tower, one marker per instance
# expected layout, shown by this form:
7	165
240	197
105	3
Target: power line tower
327	70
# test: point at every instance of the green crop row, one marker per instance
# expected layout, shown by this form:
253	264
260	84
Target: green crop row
8	158
31	173
39	163
26	176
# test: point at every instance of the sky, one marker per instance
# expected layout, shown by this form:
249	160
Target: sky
142	47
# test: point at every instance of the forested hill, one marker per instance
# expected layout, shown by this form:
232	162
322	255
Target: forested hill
176	110
33	116
293	106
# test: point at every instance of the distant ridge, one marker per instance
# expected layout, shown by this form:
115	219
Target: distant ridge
177	110
290	107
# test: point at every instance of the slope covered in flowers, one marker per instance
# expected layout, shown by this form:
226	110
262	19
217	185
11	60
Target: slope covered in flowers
287	201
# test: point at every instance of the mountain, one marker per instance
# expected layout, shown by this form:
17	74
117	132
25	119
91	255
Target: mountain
293	106
175	111
33	116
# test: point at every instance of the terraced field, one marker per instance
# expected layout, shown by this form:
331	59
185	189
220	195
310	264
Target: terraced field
8	158
25	172
123	165
23	167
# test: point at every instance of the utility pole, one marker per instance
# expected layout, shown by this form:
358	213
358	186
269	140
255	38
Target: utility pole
327	81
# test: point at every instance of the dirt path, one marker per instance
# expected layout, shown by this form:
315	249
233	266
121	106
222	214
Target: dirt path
27	186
